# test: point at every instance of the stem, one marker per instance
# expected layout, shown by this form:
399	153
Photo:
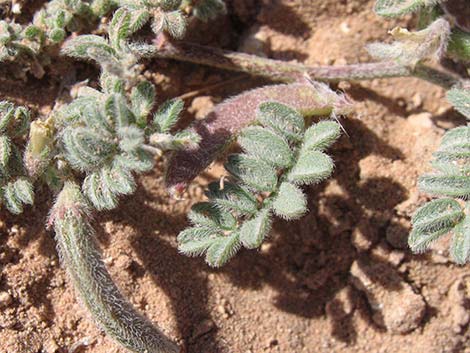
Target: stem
82	259
289	72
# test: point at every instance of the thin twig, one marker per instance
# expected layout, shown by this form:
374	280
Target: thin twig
289	72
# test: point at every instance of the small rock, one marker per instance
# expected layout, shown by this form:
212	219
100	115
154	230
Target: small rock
395	305
51	346
421	120
397	233
201	106
256	41
5	299
341	305
203	328
396	257
363	236
460	303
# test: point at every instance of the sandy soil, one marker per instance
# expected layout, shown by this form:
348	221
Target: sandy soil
341	279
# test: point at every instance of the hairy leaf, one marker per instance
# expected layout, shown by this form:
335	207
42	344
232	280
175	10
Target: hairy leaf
282	119
394	8
410	48
207	10
460	247
460	99
142	101
168	114
290	203
266	145
5	151
232	197
209	215
252	172
437	215
446	185
222	249
311	167
322	135
253	232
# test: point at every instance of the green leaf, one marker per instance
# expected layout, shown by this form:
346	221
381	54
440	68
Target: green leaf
394	8
195	247
207	214
7	113
98	192
139	161
142	101
282	119
197	234
206	10
409	48
253	172
265	145
86	149
460	99
131	138
322	135
168	114
117	110
138	19
290	203
118	180
419	242
460	247
175	24
119	29
12	203
80	47
311	167
5	151
222	249
459	45
253	231
232	198
23	190
437	215
446	185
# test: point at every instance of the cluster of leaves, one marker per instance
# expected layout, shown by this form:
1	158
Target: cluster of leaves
451	178
115	54
16	188
435	40
451	181
280	155
49	27
28	45
107	136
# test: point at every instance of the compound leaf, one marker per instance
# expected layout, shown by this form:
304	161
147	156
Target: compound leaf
322	135
311	167
253	232
266	145
282	119
460	247
290	202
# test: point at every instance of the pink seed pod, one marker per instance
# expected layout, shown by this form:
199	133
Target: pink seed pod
223	124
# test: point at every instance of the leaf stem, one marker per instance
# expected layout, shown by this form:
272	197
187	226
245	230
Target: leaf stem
289	72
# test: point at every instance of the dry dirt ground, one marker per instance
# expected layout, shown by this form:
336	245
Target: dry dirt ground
341	279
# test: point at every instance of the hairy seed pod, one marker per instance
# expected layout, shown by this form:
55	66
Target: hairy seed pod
80	255
223	124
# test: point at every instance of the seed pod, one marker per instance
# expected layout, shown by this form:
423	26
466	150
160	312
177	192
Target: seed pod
224	123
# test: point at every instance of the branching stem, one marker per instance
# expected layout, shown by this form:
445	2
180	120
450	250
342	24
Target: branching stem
289	72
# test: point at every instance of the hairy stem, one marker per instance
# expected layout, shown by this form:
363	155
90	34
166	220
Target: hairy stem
289	72
80	255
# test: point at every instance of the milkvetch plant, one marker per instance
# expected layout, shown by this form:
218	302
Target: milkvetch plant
89	150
